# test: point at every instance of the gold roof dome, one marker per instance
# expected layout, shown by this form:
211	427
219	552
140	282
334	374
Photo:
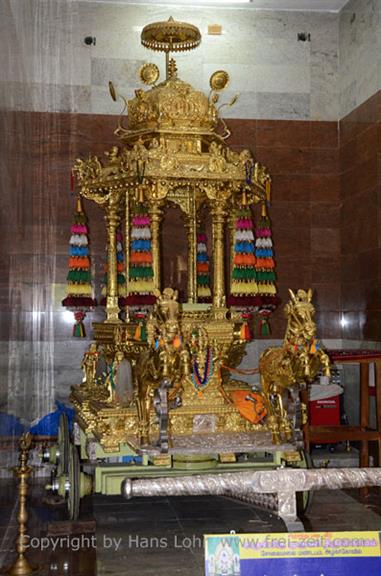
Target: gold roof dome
173	106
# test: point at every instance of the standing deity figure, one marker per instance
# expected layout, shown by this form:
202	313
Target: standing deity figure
89	365
119	381
166	358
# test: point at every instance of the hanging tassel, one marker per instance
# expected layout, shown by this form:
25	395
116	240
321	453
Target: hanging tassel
264	326
143	333
79	288
79	328
243	275
204	293
245	333
140	273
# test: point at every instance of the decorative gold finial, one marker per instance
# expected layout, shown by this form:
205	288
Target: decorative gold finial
79	205
22	567
149	74
172	68
219	80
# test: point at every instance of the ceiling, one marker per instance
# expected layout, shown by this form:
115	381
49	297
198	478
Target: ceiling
299	5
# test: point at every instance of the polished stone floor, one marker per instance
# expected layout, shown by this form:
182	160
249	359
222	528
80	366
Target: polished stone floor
153	535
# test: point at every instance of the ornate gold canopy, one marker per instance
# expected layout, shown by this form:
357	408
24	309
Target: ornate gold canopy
174	150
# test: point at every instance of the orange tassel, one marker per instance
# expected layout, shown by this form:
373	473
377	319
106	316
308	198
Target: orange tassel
79	262
265	263
202	267
140	258
244	259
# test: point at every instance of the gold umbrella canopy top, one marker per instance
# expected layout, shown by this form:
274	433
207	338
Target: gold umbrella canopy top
170	36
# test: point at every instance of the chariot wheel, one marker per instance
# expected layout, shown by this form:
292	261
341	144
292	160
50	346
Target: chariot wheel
304	499
63	442
78	484
74	496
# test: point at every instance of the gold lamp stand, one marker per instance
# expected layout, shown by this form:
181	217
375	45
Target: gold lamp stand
21	566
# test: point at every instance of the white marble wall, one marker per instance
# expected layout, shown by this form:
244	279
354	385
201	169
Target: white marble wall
359	52
47	67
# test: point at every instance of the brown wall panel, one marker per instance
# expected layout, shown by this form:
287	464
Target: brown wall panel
360	221
303	158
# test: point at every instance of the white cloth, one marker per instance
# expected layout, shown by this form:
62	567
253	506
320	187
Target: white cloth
319	392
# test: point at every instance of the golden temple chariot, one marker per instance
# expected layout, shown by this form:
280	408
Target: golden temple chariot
167	364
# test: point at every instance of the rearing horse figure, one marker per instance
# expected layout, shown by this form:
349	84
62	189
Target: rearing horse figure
293	365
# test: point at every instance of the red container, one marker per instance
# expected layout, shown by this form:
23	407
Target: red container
325	412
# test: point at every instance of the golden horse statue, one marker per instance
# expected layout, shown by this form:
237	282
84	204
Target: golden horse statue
289	368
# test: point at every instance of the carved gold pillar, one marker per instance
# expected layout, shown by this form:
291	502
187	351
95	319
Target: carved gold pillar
156	214
218	221
112	222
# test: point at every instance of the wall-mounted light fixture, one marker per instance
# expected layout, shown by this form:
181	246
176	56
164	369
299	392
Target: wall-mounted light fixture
304	37
90	40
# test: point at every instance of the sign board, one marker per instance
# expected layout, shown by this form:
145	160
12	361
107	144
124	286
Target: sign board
294	554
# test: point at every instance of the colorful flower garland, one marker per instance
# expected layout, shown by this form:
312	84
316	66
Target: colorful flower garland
264	265
243	285
204	293
265	270
140	274
79	289
253	269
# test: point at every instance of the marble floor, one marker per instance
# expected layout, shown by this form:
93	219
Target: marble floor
153	535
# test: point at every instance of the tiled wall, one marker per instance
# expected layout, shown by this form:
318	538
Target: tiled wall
360	139
359	53
46	65
303	160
